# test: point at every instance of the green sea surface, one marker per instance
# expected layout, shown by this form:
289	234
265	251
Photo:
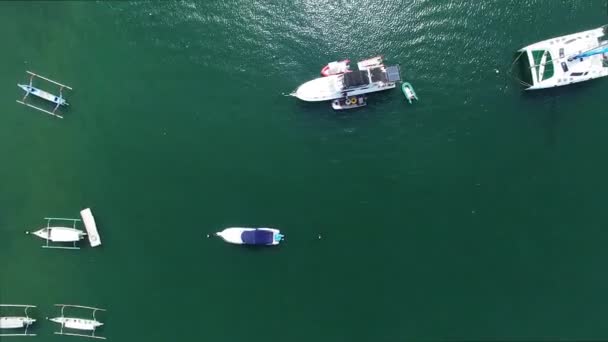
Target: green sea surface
476	214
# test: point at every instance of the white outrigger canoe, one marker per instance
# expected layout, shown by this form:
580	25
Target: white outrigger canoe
251	236
74	323
61	234
54	99
16	322
564	60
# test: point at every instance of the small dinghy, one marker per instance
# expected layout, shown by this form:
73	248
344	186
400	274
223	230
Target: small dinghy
251	236
335	68
409	92
348	103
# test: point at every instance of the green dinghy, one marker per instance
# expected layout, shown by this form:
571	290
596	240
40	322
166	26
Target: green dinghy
409	92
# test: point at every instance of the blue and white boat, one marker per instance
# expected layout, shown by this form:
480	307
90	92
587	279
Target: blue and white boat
564	60
56	100
251	236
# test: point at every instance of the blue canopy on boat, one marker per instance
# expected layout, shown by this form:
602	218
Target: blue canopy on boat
596	51
257	237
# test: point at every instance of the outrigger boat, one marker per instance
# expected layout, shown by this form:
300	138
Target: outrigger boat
59	234
30	89
348	103
80	324
564	60
251	236
336	68
62	234
409	92
16	322
372	76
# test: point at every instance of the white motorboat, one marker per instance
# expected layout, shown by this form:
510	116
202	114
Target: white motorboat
74	323
372	76
251	236
564	60
16	322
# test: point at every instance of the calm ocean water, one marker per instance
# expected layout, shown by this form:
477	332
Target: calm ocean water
475	214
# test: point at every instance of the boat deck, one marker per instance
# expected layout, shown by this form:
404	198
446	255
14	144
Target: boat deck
551	62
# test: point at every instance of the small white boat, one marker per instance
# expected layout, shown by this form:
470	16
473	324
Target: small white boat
77	323
74	323
348	103
60	234
335	68
56	100
91	227
251	236
564	60
16	322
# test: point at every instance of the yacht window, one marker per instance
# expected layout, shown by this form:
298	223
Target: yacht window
561	53
576	74
564	66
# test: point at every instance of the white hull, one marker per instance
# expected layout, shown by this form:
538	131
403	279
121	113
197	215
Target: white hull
43	94
15	322
371	77
77	323
60	234
234	235
91	227
551	63
331	88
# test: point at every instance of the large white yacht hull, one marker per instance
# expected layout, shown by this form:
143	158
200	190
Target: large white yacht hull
551	64
371	77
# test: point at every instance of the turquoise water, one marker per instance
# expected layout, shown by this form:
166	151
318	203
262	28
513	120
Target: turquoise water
475	214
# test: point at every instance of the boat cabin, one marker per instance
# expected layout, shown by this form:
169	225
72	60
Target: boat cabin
257	237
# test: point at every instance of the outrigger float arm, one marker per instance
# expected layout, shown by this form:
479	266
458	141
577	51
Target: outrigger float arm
49	80
63	306
40	109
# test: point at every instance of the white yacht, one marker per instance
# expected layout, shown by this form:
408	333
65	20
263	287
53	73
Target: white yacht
251	236
372	76
565	60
